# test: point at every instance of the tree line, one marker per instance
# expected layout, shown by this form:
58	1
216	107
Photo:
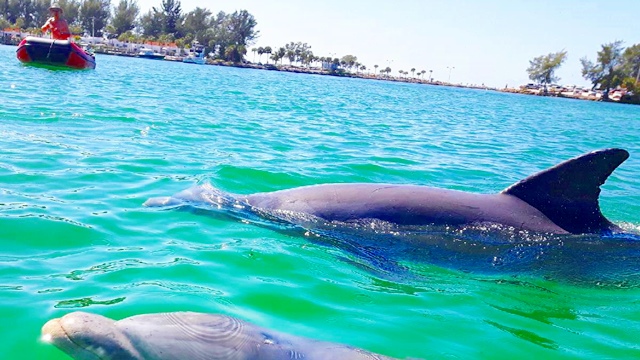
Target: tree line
301	54
227	35
614	66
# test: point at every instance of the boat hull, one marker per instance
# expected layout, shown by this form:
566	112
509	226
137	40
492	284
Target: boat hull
62	53
152	57
194	60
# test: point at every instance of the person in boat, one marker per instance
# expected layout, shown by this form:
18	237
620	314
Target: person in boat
57	24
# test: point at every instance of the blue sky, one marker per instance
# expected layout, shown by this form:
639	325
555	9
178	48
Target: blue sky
487	41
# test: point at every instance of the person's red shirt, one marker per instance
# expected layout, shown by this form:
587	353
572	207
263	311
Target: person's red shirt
58	26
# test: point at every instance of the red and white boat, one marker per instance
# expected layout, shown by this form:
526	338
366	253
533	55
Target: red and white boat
63	53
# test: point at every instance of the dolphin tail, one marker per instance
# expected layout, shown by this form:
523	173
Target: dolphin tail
568	193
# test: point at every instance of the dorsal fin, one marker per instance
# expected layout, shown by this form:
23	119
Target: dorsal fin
568	193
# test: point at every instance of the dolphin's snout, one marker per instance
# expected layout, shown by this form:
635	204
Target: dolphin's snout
53	332
85	336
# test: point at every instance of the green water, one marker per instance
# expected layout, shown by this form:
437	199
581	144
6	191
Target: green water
82	150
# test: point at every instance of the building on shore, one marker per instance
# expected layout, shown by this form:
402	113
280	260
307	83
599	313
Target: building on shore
11	36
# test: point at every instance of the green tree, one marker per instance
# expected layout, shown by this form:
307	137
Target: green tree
267	50
19	23
11	10
33	13
4	13
281	52
71	11
172	12
607	71
348	61
631	62
40	12
124	16
241	26
275	57
151	23
542	68
94	15
235	53
4	23
199	23
291	55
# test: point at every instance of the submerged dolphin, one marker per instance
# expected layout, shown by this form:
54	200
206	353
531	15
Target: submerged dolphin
560	200
184	335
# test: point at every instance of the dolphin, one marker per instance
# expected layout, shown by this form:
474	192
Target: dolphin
560	200
184	335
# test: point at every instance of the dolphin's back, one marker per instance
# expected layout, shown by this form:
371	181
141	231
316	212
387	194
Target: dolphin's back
404	205
199	336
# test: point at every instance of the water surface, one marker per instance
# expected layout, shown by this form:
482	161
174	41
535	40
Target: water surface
82	150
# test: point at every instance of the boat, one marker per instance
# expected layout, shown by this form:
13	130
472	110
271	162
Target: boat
174	58
63	53
196	54
150	54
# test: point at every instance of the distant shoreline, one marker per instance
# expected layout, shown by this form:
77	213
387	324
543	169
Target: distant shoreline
368	76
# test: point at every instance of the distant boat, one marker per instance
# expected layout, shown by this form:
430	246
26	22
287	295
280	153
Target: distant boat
173	58
196	54
63	53
150	54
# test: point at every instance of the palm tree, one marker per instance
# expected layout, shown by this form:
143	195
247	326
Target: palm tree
260	52
281	53
430	77
375	69
413	70
291	54
267	50
254	51
363	68
275	57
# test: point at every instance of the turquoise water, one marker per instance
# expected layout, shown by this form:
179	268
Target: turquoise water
82	150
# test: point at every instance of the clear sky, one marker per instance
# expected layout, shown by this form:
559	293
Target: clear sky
487	41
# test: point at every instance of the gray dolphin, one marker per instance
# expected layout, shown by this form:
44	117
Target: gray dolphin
560	200
184	335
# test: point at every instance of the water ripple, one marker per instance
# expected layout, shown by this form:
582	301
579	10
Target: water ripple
86	302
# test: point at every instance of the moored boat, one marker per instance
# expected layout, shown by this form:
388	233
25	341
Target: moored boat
62	53
196	54
150	54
